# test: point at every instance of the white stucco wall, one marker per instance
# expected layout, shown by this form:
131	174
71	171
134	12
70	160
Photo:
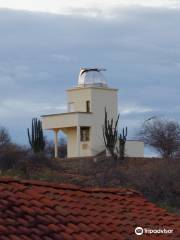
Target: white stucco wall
85	147
71	139
99	97
134	149
79	96
65	120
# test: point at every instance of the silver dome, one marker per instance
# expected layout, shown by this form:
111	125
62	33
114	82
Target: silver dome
91	77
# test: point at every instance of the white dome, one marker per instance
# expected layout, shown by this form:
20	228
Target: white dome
91	76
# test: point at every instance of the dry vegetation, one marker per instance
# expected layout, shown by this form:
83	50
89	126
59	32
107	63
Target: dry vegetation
157	179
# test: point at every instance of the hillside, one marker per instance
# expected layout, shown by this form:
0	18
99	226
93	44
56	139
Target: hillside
157	179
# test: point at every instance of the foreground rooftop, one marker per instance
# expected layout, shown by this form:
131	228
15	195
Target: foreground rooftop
36	210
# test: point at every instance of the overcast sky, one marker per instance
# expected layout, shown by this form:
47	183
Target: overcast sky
89	6
44	43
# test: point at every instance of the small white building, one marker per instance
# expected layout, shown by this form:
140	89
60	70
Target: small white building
83	121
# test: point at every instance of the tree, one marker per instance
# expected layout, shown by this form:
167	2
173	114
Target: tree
62	148
5	139
162	135
36	138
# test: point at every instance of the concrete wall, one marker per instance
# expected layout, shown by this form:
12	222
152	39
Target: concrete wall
134	149
99	97
79	96
65	120
71	139
85	147
59	121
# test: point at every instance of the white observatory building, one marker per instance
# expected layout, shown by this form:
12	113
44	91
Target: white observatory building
83	121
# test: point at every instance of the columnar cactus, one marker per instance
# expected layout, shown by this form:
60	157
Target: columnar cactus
122	141
110	135
36	138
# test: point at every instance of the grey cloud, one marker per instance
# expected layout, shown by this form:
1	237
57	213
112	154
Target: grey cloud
41	55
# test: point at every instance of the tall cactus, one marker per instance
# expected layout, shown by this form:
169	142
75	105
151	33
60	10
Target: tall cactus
36	138
122	141
110	135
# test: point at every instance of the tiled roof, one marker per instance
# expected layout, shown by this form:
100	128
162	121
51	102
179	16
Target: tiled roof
34	210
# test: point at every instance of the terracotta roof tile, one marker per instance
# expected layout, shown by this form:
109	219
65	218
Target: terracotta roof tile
34	210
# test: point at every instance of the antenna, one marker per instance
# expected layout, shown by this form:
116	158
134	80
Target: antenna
83	70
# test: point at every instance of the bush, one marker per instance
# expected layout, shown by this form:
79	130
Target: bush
34	163
62	148
158	179
5	139
162	135
10	156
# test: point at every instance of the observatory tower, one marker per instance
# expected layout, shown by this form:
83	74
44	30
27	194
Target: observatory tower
83	121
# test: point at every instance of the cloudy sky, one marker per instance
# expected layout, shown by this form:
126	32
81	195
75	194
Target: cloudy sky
44	43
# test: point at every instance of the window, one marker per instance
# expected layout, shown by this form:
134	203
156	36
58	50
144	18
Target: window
87	106
85	134
71	107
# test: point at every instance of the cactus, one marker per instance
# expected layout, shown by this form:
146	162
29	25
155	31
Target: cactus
122	141
110	135
36	138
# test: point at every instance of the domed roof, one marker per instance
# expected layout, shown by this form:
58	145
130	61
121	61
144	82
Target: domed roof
91	76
